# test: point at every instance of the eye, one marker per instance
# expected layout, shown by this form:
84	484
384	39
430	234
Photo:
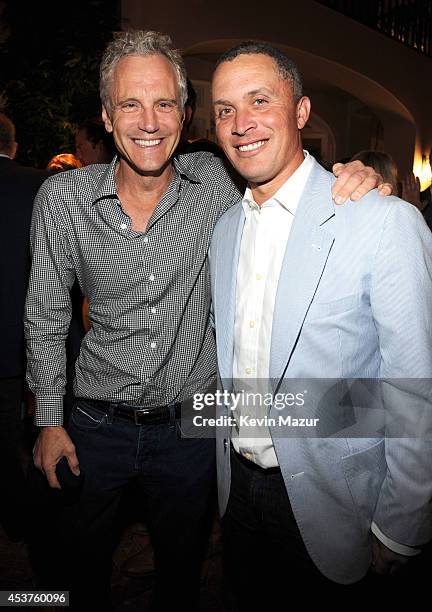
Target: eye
166	106
259	101
222	113
129	107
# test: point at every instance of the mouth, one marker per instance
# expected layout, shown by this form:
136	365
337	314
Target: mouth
252	146
147	143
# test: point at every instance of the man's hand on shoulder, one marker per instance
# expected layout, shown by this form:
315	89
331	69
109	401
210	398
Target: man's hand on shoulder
354	180
384	560
52	444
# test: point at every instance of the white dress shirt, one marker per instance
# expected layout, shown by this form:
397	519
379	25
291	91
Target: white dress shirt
264	239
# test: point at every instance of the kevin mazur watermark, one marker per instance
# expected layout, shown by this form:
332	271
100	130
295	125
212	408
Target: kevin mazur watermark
242	403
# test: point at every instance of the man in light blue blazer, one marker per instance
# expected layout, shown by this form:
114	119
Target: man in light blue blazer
309	297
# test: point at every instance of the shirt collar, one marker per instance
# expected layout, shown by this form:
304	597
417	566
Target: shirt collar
185	172
5	155
287	196
106	187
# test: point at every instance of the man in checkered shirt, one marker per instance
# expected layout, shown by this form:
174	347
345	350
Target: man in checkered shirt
135	234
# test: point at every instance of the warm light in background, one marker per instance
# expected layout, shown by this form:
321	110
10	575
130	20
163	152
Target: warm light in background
423	170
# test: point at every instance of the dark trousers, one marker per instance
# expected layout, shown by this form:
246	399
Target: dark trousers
266	561
12	480
176	479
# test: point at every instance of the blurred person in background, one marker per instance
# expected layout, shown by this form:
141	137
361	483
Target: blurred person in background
93	144
62	162
18	187
382	163
408	188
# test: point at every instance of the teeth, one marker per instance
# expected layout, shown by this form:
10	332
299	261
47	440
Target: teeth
251	147
147	143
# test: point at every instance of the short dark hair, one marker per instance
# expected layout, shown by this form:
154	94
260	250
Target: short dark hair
286	68
7	133
96	133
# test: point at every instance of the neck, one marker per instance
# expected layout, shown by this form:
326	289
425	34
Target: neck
264	191
144	186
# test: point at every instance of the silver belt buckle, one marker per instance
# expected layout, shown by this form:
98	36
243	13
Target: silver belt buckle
140	412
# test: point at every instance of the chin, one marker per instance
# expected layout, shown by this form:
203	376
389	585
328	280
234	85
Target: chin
253	178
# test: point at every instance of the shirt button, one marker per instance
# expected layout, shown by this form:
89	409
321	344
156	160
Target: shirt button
145	239
252	324
151	277
123	225
153	310
153	345
258	277
248	370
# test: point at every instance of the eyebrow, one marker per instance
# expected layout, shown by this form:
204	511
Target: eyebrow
132	99
259	90
249	94
223	102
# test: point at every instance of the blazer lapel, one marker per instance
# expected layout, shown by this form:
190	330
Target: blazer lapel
226	281
309	244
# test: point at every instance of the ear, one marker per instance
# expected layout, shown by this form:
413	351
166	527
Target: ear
106	120
14	150
303	112
187	116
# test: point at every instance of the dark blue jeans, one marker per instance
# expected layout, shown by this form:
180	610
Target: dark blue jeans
264	555
176	478
267	562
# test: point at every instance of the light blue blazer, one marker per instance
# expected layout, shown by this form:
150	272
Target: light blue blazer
354	301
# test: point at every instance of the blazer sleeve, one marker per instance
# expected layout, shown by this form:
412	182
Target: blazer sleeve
401	302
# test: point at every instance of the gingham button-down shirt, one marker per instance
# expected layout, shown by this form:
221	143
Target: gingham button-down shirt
150	341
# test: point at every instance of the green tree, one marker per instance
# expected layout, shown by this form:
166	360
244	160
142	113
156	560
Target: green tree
49	70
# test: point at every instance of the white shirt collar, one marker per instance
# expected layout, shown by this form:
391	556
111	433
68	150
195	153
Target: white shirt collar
287	196
4	155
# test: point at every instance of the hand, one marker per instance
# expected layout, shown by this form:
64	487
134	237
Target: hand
52	444
384	560
354	180
411	191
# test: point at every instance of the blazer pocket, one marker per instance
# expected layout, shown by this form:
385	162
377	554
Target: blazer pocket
320	310
364	473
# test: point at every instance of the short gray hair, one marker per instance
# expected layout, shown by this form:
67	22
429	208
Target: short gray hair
144	43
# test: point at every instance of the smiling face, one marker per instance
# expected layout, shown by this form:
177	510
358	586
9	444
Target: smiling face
258	122
145	115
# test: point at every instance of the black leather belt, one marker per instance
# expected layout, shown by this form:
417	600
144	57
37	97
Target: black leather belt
155	415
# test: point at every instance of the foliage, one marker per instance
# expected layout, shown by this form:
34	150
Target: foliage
50	70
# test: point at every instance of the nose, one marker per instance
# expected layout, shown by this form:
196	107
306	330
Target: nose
148	120
243	122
